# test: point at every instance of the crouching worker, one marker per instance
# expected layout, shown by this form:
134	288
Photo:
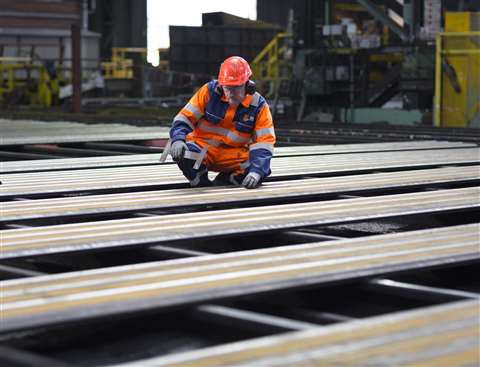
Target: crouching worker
226	127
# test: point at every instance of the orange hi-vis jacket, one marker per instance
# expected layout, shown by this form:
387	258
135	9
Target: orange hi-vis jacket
239	138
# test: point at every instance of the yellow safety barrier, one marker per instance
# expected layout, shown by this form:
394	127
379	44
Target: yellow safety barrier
270	64
121	67
457	73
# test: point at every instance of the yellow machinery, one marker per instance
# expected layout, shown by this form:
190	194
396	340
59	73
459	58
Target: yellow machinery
21	78
271	65
121	67
457	79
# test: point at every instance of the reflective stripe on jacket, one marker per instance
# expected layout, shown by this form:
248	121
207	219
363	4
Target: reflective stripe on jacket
208	117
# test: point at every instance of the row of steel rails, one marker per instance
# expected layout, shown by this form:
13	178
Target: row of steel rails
64	139
37	140
304	132
340	257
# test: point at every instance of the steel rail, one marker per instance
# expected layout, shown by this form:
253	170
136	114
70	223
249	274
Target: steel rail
146	159
71	296
270	191
444	335
14	132
18	184
76	136
24	242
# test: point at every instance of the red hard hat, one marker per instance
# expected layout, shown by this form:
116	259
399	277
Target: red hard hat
234	71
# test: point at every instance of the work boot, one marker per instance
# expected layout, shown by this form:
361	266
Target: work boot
201	180
227	179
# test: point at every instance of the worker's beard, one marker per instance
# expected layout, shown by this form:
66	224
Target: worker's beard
235	95
235	100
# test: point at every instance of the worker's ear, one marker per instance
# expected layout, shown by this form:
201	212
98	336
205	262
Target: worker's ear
250	87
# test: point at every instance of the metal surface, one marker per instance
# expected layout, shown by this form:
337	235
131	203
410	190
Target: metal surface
64	297
166	228
327	133
251	319
18	272
445	335
122	177
146	159
385	19
417	290
270	191
21	358
21	132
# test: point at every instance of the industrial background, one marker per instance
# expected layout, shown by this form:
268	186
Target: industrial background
359	249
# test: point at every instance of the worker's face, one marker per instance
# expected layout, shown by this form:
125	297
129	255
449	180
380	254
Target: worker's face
234	94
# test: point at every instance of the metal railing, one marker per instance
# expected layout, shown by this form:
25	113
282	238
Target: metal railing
121	67
270	65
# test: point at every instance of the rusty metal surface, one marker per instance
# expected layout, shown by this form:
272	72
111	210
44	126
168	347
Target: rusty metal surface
445	335
145	159
121	177
109	203
164	228
56	298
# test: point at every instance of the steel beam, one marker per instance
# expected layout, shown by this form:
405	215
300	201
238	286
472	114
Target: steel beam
131	148
176	251
151	159
419	291
270	192
19	272
21	358
431	336
249	319
108	179
385	19
91	236
57	132
307	236
23	155
71	296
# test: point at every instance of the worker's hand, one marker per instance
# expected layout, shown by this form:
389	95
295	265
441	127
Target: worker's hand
177	150
251	180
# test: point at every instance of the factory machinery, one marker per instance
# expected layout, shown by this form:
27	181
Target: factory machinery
406	62
349	253
402	62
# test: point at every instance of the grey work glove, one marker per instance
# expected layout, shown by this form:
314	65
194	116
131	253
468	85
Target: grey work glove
177	150
251	180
